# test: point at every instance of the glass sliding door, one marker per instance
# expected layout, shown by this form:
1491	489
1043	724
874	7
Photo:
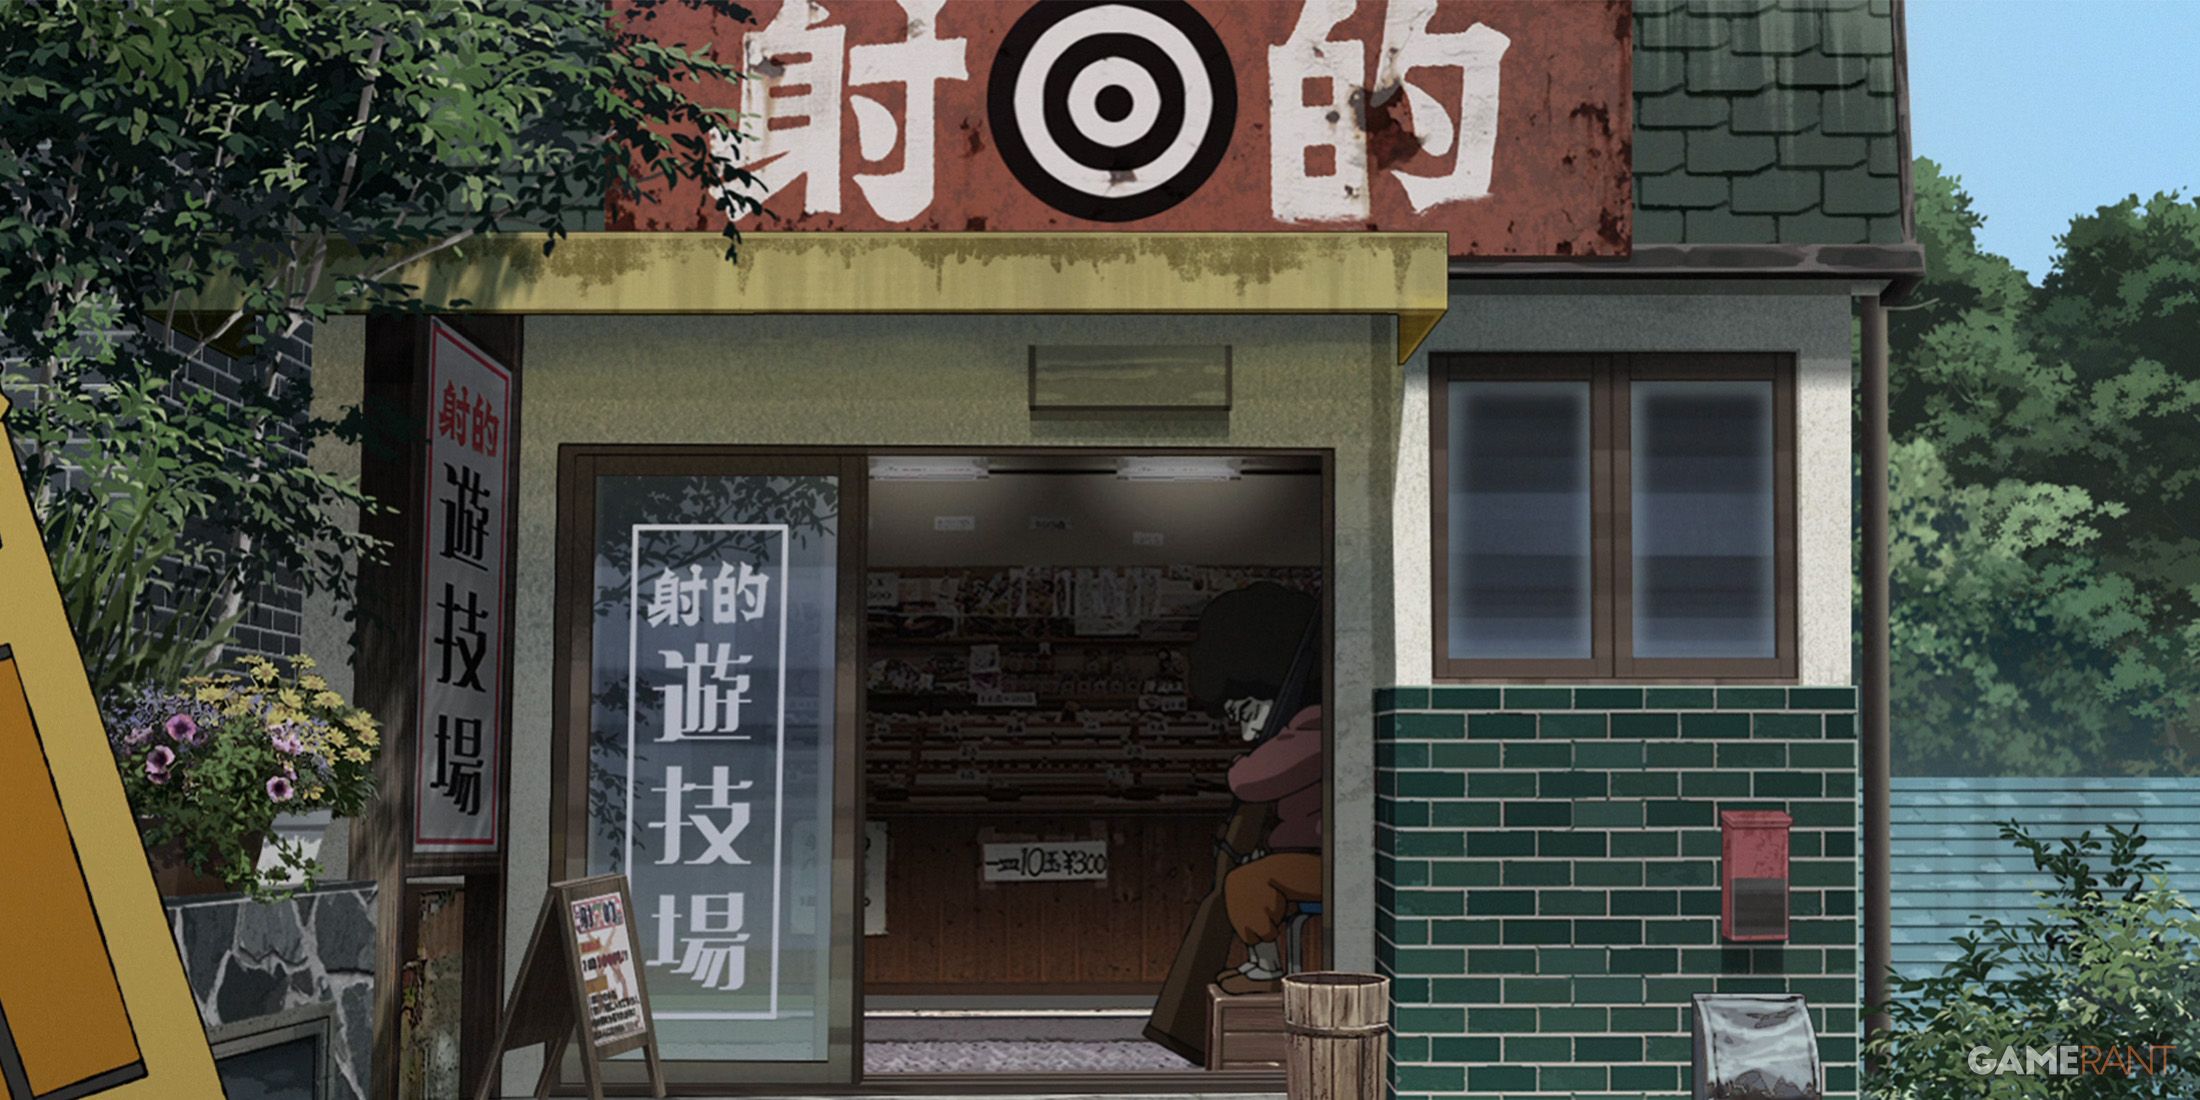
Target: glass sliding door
708	748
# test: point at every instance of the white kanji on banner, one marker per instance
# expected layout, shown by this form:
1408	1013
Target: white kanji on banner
1330	125
797	49
1471	135
918	63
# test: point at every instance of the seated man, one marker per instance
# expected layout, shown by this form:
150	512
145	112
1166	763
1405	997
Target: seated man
1286	769
1255	663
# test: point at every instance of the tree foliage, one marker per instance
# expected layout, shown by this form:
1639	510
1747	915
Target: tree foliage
287	159
2046	565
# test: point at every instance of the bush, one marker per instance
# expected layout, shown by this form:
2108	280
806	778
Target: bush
2111	962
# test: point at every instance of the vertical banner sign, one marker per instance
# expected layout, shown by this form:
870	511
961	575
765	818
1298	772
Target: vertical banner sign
456	780
607	967
706	761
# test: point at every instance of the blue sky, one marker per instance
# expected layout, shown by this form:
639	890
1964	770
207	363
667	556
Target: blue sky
2050	108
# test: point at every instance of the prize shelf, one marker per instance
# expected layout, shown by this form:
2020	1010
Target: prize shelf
1108	729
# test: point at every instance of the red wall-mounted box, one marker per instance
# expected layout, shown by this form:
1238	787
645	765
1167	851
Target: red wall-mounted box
1753	875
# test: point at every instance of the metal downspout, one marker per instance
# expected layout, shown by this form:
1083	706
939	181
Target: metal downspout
1875	718
1876	757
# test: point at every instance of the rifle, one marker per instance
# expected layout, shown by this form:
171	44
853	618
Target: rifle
1179	1019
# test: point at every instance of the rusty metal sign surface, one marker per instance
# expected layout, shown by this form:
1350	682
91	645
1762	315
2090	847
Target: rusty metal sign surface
1505	124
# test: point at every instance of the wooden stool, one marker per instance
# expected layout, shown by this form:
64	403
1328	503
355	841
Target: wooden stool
1245	1030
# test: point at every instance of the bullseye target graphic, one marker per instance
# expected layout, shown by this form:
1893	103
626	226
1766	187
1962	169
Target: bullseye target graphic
1112	110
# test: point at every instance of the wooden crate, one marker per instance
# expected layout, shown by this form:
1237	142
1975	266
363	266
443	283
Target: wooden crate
1244	1031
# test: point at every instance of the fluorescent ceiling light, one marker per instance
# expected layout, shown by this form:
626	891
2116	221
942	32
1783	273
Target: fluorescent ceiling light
1179	469
919	468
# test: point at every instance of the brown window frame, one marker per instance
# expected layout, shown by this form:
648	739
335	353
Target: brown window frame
1612	593
579	464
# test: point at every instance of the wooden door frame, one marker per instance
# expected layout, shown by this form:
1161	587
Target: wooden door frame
386	674
1325	459
578	464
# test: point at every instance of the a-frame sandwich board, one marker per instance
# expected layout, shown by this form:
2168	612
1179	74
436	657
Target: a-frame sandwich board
580	985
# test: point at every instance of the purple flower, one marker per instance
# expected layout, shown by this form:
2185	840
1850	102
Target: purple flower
280	789
158	762
286	740
138	735
183	729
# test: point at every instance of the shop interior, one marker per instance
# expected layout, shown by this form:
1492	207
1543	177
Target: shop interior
1042	798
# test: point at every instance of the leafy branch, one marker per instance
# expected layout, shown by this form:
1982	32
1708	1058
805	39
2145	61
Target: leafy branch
288	160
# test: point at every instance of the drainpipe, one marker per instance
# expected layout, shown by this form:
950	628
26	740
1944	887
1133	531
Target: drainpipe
1875	718
1873	749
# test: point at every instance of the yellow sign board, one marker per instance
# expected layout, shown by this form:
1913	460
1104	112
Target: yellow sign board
94	1002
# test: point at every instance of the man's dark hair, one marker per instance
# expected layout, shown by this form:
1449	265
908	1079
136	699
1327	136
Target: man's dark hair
1248	641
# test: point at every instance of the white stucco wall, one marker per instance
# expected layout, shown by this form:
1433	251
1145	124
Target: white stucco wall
1808	320
339	383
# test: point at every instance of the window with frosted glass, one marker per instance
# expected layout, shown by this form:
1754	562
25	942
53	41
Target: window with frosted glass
711	751
1701	485
1518	518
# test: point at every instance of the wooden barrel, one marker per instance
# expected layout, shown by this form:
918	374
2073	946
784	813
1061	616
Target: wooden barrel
1339	1027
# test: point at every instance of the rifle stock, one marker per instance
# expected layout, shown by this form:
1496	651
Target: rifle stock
1179	1020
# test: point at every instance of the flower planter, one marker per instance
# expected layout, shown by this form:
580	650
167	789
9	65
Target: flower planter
246	766
176	878
304	832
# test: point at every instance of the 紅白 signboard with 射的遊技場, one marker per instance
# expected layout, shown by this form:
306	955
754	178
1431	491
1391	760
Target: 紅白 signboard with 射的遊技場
458	777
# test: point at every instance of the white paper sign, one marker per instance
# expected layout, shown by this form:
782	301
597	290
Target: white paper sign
457	780
882	590
1046	861
607	968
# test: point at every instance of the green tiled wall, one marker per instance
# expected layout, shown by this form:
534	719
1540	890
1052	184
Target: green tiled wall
1547	879
1759	122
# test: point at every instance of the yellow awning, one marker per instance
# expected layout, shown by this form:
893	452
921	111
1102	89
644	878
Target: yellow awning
1403	275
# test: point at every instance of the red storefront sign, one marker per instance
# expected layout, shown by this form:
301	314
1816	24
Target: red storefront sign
1502	123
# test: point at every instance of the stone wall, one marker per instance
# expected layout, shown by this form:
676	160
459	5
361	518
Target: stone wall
248	959
1547	875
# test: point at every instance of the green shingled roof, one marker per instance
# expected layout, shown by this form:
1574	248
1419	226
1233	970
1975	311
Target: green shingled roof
1766	122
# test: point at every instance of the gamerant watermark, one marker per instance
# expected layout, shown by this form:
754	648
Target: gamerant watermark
2071	1060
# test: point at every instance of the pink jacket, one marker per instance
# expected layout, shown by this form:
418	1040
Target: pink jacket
1287	770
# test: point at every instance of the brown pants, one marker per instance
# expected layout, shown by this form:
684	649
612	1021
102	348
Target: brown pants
1259	893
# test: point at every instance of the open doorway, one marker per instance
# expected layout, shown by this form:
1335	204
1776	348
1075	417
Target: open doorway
1059	771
